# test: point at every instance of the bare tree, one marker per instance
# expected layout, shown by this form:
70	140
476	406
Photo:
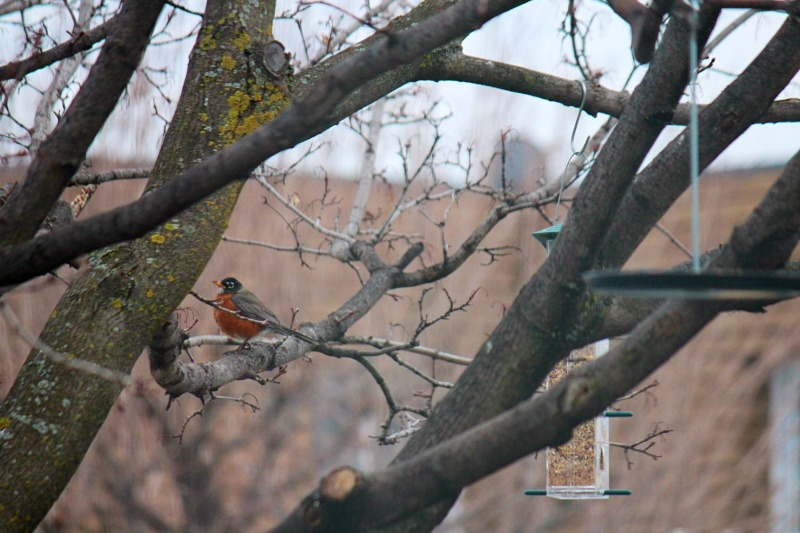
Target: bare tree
241	104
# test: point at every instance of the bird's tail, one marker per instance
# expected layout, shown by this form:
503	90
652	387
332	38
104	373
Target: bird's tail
279	328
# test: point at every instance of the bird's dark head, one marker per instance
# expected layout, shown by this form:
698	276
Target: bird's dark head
229	285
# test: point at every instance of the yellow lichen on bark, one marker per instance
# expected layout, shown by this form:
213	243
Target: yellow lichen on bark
227	62
241	41
247	111
126	292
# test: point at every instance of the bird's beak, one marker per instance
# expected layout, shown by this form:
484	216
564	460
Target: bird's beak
217	283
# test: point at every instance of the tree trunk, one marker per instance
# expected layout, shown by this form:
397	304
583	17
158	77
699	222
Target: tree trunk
129	291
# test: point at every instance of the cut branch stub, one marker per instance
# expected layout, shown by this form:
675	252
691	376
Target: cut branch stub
331	507
275	58
340	483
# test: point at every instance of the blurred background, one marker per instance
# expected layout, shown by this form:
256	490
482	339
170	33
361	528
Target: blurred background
725	395
239	470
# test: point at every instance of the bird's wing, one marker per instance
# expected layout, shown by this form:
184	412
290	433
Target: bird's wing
251	307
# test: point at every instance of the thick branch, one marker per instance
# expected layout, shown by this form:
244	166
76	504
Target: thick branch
599	99
247	362
667	176
650	107
514	360
548	419
236	162
86	178
65	149
16	70
178	378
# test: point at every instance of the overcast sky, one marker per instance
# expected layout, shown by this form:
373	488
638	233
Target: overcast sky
529	36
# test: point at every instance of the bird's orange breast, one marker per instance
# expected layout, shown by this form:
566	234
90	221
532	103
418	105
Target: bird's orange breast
231	325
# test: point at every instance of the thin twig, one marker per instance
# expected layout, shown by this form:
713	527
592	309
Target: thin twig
674	240
179	436
394	408
433	353
637	392
637	446
381	382
414	370
278	248
340	35
305	218
184	9
362	22
727	30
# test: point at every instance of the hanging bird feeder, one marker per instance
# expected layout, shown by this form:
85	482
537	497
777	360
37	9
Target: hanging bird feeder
698	283
579	469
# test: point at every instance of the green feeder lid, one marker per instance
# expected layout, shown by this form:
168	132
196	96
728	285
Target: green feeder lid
546	235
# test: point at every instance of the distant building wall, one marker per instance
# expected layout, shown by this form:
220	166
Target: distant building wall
784	473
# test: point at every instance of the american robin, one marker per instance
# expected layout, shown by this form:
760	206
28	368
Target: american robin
234	296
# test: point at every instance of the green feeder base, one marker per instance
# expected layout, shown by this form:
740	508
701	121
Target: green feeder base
609	492
618	414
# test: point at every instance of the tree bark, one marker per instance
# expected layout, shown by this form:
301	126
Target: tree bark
129	291
539	328
65	149
765	241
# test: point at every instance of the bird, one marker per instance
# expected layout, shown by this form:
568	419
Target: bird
234	297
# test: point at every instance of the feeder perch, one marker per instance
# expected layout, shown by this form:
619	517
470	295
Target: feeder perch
578	469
